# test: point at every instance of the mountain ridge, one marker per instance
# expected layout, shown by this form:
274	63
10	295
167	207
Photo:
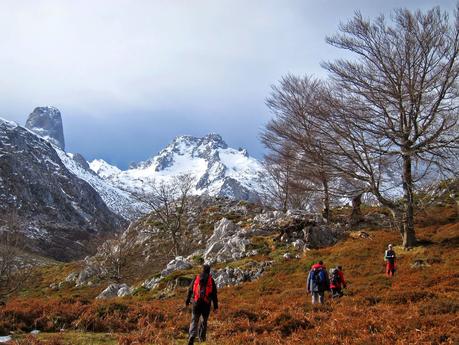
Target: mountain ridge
218	169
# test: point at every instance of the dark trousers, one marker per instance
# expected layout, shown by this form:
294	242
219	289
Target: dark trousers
199	329
390	269
337	292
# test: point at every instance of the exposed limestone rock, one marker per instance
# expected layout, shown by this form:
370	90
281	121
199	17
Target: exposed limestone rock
179	263
115	290
234	276
152	283
47	123
227	242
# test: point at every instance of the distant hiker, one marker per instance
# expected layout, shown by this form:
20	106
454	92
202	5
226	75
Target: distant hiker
318	282
389	256
337	282
203	291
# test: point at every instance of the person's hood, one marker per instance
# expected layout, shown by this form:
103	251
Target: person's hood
316	266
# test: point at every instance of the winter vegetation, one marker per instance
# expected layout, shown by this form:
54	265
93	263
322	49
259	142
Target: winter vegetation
364	158
419	305
383	123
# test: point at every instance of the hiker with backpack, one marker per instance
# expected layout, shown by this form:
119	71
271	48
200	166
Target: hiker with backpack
337	282
389	256
318	282
202	292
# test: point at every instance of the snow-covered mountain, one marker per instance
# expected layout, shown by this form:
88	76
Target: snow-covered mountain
217	169
63	201
46	122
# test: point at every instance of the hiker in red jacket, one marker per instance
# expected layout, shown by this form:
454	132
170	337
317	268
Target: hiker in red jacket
390	256
203	291
337	282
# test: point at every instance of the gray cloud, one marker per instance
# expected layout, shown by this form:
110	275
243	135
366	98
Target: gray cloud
128	76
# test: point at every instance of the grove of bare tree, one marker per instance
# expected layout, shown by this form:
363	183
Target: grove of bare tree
386	118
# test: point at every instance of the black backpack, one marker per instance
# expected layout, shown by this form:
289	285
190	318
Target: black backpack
335	277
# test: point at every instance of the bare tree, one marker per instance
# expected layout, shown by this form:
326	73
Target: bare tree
296	135
170	203
113	256
281	187
397	102
289	134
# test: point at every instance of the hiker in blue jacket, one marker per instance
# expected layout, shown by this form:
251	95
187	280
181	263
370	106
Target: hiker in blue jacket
318	282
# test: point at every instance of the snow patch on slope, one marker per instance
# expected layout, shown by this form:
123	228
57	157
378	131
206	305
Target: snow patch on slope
117	200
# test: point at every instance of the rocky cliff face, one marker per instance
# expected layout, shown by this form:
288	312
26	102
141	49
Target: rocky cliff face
47	123
58	213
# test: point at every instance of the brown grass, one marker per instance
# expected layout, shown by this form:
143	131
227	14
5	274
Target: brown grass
418	306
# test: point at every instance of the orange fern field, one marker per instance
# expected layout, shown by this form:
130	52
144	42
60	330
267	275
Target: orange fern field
418	306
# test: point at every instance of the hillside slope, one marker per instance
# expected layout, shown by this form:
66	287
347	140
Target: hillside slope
58	213
418	306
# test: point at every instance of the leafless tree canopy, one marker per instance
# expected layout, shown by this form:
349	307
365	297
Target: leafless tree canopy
170	203
386	118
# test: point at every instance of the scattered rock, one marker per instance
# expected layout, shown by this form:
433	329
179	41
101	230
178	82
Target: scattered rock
229	276
86	274
182	281
317	235
115	290
298	244
152	283
228	242
124	291
54	286
287	256
359	234
72	277
5	339
419	263
179	263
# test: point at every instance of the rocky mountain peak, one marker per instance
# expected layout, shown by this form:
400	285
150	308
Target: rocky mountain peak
187	143
214	140
47	123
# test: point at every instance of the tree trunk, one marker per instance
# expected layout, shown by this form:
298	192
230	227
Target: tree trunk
408	234
326	201
356	214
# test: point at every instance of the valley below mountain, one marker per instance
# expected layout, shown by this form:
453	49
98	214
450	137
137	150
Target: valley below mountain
64	203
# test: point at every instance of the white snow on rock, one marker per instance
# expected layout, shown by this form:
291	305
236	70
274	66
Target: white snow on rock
103	169
217	169
117	200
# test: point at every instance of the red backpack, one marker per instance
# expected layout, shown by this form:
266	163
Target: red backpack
202	293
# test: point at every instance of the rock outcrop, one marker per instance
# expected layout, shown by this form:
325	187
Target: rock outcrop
179	263
115	290
229	276
227	243
47	123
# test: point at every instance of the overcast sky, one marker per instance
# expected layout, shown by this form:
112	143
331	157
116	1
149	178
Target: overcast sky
129	76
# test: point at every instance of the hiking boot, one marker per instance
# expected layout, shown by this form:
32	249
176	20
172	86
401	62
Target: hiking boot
191	341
